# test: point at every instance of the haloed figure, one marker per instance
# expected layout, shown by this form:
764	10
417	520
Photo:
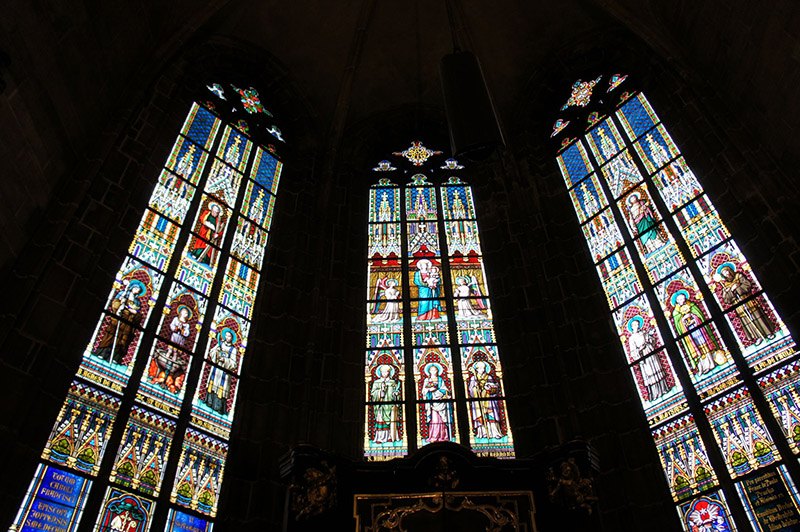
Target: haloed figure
437	414
385	388
125	313
756	323
486	412
211	226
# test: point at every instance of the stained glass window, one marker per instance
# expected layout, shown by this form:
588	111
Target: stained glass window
689	310
193	268
432	370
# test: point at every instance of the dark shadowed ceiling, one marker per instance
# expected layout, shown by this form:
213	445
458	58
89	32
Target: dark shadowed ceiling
79	68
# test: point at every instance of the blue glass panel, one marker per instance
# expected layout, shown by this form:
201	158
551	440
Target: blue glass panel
637	116
54	502
266	170
574	164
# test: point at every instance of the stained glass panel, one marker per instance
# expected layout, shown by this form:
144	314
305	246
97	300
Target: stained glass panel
154	241
425	279
700	225
125	511
659	253
172	196
619	278
223	182
463	238
163	383
423	239
178	521
642	217
81	432
771	500
210	224
384	203
109	357
380	335
187	160
198	265
475	332
201	126
637	116
745	443
750	322
605	141
227	339
574	164
234	149
682	302
199	475
420	203
433	377
588	198
143	451
430	332
258	205
658	386
782	390
637	329
708	510
708	361
385	436
54	502
684	458
433	373
602	235
621	174
266	170
214	400
384	241
490	433
183	316
656	149
239	288
385	289
249	243
677	184
457	202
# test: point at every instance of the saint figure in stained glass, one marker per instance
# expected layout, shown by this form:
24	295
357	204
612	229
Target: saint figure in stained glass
386	289
643	218
701	343
486	416
212	225
735	287
438	414
125	314
385	388
428	281
464	288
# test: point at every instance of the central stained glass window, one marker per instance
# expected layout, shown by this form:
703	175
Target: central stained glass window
432	370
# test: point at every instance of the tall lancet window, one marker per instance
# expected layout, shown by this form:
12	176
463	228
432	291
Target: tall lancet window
147	418
715	367
432	371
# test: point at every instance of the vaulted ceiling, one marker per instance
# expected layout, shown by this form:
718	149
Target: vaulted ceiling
77	69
